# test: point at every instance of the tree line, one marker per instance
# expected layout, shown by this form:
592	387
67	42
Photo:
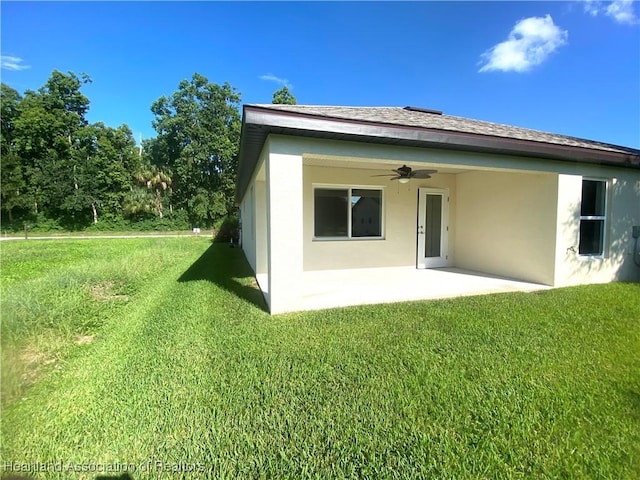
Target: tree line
61	172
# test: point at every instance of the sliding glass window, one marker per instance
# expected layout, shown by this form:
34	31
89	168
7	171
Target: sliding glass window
345	213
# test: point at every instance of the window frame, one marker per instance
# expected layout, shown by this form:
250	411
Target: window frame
349	188
603	218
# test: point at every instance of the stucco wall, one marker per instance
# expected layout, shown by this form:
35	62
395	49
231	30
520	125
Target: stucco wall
506	224
261	226
253	215
509	216
623	205
398	248
247	216
284	231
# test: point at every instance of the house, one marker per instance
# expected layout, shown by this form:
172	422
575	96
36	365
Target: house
364	199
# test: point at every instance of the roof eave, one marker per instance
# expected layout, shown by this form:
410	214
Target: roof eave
259	122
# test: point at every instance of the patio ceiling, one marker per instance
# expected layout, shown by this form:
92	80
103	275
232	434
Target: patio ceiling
376	164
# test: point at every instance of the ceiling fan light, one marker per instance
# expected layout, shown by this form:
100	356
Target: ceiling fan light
404	180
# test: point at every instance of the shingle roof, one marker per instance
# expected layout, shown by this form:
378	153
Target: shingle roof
420	119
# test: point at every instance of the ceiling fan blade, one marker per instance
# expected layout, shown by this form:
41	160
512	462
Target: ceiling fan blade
407	172
422	173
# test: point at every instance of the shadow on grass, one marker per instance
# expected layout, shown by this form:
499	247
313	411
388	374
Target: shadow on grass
228	231
226	267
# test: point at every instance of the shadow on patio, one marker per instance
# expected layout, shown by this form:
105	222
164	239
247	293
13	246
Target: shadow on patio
227	268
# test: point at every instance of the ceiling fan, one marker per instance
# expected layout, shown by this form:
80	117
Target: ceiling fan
404	174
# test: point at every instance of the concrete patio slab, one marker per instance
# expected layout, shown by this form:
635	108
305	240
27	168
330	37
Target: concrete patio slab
340	288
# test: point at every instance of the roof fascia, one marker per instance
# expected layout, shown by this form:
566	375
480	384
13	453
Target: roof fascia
436	138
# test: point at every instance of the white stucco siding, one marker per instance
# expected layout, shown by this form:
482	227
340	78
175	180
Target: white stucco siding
397	248
623	212
506	224
508	216
260	206
247	217
284	230
363	153
253	216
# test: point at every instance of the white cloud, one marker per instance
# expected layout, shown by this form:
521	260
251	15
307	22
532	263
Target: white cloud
272	78
530	42
592	7
7	62
621	11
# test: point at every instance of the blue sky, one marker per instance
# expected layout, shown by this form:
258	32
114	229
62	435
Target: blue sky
565	67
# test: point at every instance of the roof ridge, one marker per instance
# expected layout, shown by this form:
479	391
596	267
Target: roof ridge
284	105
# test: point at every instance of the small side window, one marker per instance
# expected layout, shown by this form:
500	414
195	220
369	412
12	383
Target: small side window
593	210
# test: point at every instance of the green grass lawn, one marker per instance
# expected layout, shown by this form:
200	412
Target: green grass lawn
137	351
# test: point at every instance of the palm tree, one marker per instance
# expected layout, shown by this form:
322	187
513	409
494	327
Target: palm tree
158	180
137	202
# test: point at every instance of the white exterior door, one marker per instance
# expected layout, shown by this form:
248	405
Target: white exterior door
433	227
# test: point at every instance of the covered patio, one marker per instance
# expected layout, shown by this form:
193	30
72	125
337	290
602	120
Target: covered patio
353	205
341	288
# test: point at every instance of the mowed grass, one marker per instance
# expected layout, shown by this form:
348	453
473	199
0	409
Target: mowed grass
140	351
